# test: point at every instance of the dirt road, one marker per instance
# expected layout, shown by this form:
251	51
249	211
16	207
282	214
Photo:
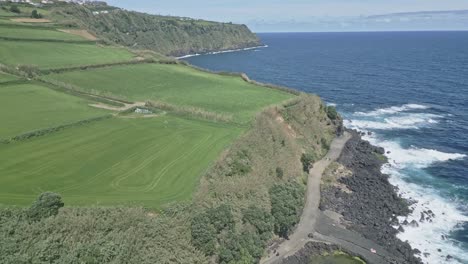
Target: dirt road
311	209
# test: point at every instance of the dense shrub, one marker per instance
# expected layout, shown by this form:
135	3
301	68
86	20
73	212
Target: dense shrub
287	201
46	205
207	225
15	9
35	14
307	160
332	113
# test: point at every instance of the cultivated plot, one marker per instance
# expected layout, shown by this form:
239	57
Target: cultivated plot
30	107
118	161
47	55
176	84
43	33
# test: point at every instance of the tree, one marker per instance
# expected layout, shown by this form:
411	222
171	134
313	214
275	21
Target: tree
46	205
332	113
35	14
15	9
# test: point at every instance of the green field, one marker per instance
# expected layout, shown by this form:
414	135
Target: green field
179	85
5	77
48	55
25	11
32	33
28	107
148	161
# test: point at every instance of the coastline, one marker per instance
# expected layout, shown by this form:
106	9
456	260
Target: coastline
221	51
358	212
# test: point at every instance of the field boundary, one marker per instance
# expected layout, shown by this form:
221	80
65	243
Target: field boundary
96	66
244	77
50	40
68	88
50	130
191	111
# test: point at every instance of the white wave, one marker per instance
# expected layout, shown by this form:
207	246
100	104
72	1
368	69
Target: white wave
406	121
429	236
223	51
331	104
413	156
393	110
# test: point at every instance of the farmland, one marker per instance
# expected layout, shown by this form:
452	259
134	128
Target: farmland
124	159
178	85
23	32
46	55
118	161
29	107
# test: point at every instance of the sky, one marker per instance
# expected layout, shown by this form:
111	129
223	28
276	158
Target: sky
256	13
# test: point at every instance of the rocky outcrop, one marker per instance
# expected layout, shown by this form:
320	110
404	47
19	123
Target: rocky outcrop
373	204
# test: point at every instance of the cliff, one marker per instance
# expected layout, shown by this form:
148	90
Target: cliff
174	36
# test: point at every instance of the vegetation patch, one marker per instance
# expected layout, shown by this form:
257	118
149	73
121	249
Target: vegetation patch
47	55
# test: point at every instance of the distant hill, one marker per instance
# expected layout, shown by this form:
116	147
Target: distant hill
174	36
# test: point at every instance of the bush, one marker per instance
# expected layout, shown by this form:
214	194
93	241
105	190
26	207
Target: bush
307	159
332	113
207	225
15	9
46	205
35	14
287	201
279	173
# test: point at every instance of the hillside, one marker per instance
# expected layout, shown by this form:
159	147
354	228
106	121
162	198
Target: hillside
173	36
156	161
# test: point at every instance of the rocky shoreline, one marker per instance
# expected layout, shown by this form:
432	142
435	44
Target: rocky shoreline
370	205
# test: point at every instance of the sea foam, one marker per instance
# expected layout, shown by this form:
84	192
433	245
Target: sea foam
431	237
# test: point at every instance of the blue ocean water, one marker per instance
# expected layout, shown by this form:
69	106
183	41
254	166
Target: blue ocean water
409	89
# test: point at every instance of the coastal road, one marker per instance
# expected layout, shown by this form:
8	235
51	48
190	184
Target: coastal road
311	211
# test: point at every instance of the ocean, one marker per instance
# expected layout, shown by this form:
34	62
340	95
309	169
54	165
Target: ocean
409	90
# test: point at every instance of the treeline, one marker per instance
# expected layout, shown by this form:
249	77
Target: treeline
167	35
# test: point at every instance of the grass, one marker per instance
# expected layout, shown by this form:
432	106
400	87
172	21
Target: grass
47	55
5	77
177	85
35	33
25	11
118	161
28	107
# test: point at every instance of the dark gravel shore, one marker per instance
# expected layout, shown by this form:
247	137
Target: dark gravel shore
373	203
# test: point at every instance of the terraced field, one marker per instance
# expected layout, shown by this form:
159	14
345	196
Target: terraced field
118	161
23	32
29	107
124	159
47	55
176	84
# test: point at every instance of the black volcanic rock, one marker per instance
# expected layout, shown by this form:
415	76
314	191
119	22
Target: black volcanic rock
372	205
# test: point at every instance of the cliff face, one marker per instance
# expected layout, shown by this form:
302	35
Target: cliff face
173	36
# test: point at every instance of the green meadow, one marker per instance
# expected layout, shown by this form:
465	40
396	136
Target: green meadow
47	55
30	107
22	32
148	161
5	77
177	85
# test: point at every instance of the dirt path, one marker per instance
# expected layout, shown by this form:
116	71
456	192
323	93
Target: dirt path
118	108
311	209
